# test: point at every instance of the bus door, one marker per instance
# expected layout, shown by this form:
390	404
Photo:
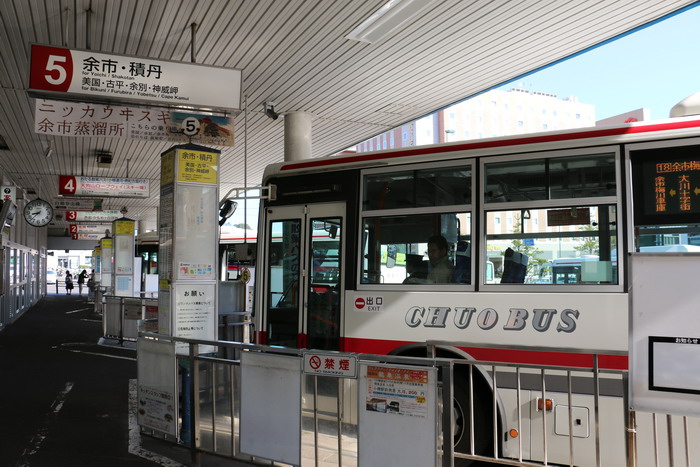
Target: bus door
303	287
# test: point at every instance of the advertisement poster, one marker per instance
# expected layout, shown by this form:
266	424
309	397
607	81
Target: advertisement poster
156	409
85	120
195	227
157	394
400	391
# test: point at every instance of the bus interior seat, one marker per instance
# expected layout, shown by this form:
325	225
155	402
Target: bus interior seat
463	263
514	267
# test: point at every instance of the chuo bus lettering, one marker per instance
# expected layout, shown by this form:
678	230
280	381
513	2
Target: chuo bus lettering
486	319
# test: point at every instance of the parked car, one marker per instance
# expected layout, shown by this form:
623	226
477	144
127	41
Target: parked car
51	277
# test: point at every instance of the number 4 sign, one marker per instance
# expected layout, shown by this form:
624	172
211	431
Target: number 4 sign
101	186
66	185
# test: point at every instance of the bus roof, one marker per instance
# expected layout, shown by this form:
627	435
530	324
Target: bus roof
628	132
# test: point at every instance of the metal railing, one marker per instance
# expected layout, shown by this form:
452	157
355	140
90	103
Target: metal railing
121	315
538	416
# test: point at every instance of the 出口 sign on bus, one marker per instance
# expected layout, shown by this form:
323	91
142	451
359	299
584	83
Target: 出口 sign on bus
85	74
101	186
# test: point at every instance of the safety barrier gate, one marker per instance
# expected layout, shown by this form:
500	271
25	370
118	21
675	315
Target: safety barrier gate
121	315
297	407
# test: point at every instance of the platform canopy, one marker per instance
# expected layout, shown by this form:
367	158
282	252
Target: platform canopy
423	55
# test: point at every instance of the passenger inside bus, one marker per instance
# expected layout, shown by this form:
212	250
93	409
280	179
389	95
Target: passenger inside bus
441	269
416	269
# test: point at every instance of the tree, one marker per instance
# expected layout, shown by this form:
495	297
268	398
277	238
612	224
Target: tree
590	244
535	261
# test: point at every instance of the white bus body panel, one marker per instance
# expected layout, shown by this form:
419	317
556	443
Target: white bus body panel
581	321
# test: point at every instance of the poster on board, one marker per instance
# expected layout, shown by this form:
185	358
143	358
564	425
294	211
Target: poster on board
398	415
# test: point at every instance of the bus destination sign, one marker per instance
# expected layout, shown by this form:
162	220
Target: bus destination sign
666	185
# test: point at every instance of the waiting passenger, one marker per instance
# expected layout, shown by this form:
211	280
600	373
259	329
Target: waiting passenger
69	283
441	268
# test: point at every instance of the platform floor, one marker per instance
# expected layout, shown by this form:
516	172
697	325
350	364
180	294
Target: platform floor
64	398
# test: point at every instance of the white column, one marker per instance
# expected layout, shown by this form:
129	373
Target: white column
297	136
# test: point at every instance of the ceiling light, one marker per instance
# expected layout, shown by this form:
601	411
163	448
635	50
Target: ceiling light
385	20
49	149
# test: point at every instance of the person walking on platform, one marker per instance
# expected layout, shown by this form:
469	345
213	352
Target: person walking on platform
69	282
81	280
91	285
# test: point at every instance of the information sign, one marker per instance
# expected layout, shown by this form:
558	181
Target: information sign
93	216
399	390
124	227
9	193
197	166
397	418
87	120
666	185
330	364
88	228
568	216
77	204
195	316
664	340
101	186
79	74
86	236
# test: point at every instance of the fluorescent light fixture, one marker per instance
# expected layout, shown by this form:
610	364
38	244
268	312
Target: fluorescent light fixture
49	149
393	14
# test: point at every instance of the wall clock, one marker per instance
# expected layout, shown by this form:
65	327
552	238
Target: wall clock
38	212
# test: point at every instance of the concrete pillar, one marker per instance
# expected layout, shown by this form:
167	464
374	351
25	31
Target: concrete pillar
297	136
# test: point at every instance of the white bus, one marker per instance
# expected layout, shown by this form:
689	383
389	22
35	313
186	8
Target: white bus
508	210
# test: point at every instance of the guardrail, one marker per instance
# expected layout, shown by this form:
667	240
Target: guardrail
120	315
547	422
329	406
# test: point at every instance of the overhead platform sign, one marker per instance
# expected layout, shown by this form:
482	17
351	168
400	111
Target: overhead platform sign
86	236
89	228
93	216
87	120
103	186
77	204
58	72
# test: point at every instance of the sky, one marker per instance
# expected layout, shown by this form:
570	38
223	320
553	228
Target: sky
655	68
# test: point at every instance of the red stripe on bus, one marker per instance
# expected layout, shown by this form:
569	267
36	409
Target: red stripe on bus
617	131
535	357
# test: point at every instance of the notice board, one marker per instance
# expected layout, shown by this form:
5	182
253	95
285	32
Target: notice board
271	407
398	415
664	333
